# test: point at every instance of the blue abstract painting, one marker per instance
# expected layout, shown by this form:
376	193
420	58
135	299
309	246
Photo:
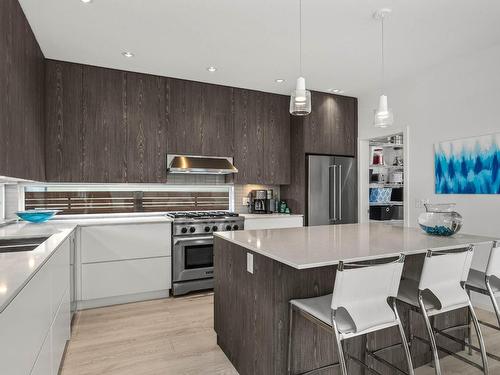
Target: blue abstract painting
468	166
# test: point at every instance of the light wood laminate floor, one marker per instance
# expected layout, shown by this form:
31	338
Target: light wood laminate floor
175	336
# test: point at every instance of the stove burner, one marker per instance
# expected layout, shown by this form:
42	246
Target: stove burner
201	214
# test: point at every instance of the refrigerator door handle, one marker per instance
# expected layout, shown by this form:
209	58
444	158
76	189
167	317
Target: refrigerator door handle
334	218
340	192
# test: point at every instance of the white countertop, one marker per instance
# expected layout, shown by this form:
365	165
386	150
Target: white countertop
326	245
83	222
16	269
269	216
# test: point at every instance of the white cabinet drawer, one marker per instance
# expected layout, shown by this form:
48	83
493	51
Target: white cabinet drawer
274	223
60	332
60	270
126	241
24	325
110	279
43	365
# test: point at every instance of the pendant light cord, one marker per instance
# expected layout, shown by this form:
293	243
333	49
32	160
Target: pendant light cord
383	57
300	37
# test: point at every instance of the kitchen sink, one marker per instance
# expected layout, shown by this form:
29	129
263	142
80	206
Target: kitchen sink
13	245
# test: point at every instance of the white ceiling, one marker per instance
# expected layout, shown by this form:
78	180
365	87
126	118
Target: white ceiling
254	42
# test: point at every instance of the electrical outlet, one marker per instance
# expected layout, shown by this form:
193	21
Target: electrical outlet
250	263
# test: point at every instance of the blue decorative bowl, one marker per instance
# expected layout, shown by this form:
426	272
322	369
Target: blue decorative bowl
36	216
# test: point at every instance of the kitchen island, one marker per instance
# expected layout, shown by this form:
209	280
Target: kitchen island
257	272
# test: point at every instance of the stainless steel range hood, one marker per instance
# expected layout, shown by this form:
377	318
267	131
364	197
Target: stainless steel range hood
200	164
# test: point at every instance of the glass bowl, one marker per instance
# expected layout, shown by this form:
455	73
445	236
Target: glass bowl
440	219
36	216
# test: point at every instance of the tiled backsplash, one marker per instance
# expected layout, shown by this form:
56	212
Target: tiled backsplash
243	191
195	179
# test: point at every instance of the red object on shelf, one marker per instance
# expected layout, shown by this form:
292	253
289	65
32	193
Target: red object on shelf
378	157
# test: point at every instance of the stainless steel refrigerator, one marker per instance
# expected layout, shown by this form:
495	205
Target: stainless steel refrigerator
332	190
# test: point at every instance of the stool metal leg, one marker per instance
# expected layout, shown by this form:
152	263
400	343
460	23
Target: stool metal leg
340	349
480	339
493	300
404	341
469	329
432	339
289	365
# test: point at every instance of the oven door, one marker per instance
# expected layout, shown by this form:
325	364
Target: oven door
193	258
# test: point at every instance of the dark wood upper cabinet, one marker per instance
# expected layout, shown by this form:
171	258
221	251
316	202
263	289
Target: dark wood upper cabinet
146	128
105	127
331	128
63	128
261	137
199	119
21	96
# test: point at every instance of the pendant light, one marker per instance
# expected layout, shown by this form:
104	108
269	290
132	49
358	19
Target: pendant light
383	115
300	99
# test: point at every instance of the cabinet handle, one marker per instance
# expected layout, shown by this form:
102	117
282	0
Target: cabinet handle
340	192
334	218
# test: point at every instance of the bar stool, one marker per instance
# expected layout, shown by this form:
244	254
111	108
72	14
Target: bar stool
363	301
439	290
488	283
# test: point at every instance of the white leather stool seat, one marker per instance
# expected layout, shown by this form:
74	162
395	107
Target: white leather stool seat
477	279
408	293
320	308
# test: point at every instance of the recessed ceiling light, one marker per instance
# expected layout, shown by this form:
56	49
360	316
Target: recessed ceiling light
279	80
336	91
86	1
128	54
212	69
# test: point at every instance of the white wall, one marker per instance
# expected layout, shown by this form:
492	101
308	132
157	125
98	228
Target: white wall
459	98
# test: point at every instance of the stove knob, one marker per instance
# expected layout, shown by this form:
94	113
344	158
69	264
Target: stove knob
207	229
192	229
236	227
184	230
214	228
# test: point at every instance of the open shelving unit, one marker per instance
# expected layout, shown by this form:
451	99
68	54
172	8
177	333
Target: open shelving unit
387	171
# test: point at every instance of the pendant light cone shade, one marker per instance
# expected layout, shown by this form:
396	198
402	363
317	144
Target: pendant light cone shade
300	99
383	115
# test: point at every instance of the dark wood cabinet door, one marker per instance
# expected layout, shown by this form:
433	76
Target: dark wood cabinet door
331	128
248	137
200	119
276	140
21	96
104	125
262	137
146	130
63	137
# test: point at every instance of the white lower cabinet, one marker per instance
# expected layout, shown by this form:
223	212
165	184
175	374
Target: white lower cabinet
276	222
118	263
60	332
35	325
111	279
43	364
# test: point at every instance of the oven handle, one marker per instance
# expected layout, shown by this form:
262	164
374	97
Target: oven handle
179	240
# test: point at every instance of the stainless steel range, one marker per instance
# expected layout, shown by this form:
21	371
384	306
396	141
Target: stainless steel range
193	251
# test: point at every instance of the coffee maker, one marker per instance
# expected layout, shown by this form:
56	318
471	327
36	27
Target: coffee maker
262	202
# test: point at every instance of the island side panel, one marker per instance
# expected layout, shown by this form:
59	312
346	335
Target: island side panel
252	313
